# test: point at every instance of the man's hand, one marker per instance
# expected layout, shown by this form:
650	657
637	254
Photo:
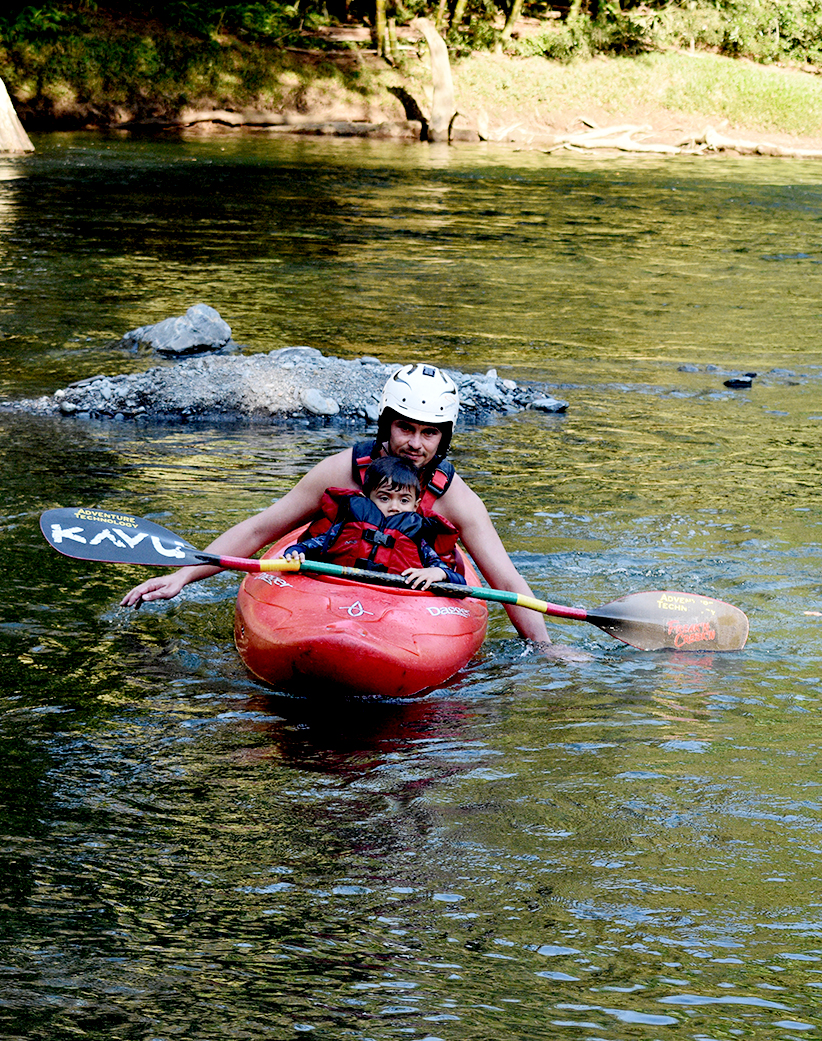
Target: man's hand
163	587
561	652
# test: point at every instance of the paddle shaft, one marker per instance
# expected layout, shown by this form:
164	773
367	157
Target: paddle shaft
322	567
650	620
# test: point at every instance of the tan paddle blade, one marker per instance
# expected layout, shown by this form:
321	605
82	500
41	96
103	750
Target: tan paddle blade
657	620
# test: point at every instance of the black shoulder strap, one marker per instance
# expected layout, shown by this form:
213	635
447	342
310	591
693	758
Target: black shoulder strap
441	478
362	456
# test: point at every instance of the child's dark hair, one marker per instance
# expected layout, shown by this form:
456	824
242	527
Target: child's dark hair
391	471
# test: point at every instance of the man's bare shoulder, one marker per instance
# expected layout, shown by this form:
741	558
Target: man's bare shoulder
333	471
303	500
458	501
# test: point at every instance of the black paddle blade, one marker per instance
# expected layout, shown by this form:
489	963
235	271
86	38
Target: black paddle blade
658	620
114	538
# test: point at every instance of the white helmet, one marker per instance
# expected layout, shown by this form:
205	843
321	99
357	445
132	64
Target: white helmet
422	393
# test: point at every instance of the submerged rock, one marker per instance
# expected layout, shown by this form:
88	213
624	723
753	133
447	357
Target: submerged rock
548	404
743	382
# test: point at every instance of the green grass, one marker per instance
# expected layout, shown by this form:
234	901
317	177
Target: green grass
701	86
746	94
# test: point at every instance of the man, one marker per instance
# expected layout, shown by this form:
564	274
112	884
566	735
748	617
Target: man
417	414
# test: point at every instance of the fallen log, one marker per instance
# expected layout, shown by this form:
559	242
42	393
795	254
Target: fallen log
625	143
618	137
711	140
628	138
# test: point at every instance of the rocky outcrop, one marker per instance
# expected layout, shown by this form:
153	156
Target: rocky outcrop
287	384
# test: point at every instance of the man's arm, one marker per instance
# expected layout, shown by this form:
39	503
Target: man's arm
468	514
249	536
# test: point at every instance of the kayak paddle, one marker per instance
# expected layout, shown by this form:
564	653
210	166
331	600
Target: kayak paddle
650	621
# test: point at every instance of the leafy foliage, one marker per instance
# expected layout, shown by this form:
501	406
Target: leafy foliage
773	31
765	30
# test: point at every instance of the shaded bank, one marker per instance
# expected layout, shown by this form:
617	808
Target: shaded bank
147	79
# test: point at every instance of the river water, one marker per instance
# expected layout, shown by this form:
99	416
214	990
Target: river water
624	850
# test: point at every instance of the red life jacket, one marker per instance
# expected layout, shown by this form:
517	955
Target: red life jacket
352	531
363	455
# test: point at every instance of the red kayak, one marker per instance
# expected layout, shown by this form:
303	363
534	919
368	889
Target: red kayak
313	633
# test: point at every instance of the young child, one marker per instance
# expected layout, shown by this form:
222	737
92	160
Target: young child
379	528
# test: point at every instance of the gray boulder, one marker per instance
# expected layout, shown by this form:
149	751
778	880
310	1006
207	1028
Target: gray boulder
198	331
548	404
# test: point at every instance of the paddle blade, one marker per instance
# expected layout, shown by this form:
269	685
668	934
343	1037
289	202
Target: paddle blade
660	619
115	538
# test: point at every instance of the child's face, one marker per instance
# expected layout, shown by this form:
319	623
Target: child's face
390	500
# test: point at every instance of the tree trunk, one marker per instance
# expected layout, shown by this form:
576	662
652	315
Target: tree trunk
13	137
443	106
513	17
393	48
380	28
413	112
458	14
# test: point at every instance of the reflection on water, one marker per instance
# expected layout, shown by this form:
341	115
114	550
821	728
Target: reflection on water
625	850
502	259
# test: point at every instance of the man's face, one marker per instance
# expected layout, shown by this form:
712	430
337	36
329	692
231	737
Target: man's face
416	442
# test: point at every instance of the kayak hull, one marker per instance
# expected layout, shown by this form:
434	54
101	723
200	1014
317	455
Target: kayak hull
315	634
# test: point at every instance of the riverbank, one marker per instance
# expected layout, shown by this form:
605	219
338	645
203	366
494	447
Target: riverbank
668	100
673	99
668	103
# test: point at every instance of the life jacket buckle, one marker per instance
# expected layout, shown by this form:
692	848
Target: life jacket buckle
379	538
